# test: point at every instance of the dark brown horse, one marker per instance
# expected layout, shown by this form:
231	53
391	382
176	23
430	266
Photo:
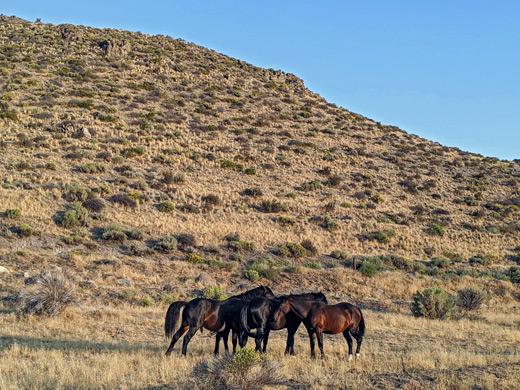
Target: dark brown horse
258	314
321	318
211	314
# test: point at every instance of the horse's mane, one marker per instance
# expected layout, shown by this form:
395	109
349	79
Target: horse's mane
256	292
307	296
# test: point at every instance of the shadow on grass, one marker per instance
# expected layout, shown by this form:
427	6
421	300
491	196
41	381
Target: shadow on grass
75	345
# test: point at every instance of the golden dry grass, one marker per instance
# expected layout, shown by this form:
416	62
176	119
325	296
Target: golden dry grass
123	348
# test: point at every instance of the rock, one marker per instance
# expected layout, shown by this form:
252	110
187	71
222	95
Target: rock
124	282
3	270
26	274
205	280
83	133
111	48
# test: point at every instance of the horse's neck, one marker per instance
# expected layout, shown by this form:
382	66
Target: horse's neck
301	309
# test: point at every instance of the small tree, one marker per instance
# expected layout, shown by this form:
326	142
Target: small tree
433	303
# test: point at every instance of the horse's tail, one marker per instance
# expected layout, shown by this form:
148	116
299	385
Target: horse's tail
244	326
172	315
360	331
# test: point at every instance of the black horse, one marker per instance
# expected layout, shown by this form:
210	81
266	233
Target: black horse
258	314
211	314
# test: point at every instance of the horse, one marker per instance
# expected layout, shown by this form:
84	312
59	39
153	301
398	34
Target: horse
321	318
258	314
208	313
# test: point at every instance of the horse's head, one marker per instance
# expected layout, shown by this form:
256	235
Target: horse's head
320	297
268	293
283	308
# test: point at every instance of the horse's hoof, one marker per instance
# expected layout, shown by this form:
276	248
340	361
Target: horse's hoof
349	358
357	355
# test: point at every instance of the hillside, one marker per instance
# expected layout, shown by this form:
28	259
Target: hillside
148	169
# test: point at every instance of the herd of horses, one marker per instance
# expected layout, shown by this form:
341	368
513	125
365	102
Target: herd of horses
258	309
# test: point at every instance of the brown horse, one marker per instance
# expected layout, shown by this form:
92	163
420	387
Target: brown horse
211	314
321	318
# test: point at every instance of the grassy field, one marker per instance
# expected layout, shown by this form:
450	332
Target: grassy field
123	348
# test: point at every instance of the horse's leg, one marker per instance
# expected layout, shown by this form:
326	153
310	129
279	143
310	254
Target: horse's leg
359	340
184	327
217	343
312	336
266	339
234	340
289	347
187	338
319	336
225	338
346	334
258	339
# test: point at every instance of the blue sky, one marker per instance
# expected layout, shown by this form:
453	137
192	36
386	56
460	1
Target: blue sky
448	71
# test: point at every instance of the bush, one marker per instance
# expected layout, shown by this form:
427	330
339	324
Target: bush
272	206
247	369
146	301
13	213
368	269
115	232
471	299
214	292
25	230
92	168
123	199
515	274
440	262
166	244
292	249
309	246
251	275
52	292
339	254
95	205
77	193
436	230
166	207
313	265
77	216
433	303
383	236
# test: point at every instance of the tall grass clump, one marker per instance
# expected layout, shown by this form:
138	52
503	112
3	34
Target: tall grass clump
52	292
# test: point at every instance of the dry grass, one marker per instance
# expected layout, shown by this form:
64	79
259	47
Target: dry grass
124	348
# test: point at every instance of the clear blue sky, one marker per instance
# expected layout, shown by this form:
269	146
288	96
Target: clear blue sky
448	71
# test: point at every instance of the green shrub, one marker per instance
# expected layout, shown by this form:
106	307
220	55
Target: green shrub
248	246
311	186
166	207
250	171
368	269
292	249
166	244
339	254
482	259
377	198
78	237
515	274
115	232
195	259
440	262
77	193
433	303
25	230
146	301
214	292
383	236
310	248
471	299
92	168
168	299
436	230
227	164
272	206
77	216
251	275
313	265
13	213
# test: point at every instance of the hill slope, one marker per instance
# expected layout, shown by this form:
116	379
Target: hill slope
232	159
